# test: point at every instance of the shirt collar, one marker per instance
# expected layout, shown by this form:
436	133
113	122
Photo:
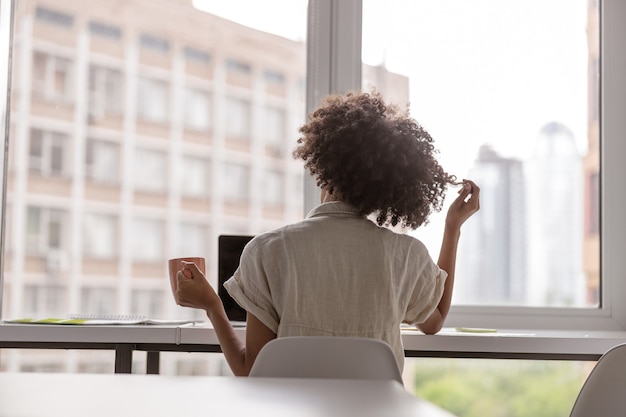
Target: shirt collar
333	208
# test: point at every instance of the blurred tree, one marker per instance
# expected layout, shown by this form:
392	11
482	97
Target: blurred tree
500	388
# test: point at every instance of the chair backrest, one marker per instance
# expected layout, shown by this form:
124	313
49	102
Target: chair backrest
327	357
604	392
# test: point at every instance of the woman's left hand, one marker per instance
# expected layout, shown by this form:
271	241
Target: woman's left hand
465	205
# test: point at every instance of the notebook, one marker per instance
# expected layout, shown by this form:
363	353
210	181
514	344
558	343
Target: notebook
229	253
98	319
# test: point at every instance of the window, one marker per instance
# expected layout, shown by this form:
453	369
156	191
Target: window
117	147
197	109
194	177
514	119
192	239
41	300
146	302
274	77
150	170
154	43
275	128
102	160
197	55
147	240
238	67
52	76
54	17
236	183
100	236
44	229
105	30
153	100
345	73
273	185
47	153
105	91
237	118
98	300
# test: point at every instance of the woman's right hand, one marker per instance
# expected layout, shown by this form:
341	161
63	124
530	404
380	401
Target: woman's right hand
193	288
465	205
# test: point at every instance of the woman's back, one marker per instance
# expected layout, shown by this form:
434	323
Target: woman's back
337	273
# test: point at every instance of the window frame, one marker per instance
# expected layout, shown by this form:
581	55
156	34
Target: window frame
334	66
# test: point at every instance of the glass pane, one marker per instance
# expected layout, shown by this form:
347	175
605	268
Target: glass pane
509	92
142	171
497	387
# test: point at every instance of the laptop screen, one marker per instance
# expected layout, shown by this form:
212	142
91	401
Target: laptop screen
229	253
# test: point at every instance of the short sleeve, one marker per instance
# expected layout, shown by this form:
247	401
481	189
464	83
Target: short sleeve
426	294
250	288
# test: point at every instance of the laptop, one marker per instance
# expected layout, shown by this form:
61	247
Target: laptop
229	253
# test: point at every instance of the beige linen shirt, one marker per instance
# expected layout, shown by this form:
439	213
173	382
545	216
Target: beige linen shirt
337	273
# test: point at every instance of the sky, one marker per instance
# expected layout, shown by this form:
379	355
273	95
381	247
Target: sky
285	18
480	71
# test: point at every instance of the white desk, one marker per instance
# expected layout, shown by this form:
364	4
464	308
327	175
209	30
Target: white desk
504	344
562	345
513	344
80	395
123	339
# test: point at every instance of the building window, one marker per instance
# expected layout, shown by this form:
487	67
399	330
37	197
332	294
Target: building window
273	188
197	55
45	228
102	159
146	302
153	100
52	76
46	153
238	67
150	170
274	128
54	17
96	300
192	239
154	43
105	30
105	92
44	300
235	182
100	236
237	118
274	77
147	240
197	109
194	180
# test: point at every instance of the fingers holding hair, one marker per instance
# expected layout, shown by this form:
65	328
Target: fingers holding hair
466	204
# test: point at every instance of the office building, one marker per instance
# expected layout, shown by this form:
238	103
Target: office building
554	175
141	132
492	254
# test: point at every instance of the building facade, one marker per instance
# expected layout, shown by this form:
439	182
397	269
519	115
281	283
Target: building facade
140	131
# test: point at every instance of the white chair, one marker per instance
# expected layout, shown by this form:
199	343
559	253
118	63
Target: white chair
604	392
327	357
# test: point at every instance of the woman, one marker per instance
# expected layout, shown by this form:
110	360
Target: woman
342	271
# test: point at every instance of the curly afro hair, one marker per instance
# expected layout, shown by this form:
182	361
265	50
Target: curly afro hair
374	157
